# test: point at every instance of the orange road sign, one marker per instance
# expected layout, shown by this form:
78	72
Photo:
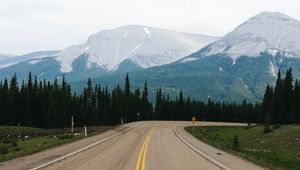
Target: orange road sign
193	120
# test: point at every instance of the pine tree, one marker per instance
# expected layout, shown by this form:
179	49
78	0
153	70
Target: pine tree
296	103
236	143
12	106
127	86
4	103
267	100
278	108
158	103
288	94
267	126
146	106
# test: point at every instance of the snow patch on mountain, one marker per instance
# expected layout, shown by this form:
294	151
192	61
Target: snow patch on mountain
147	31
3	56
9	61
145	46
35	61
273	69
8	64
268	31
185	60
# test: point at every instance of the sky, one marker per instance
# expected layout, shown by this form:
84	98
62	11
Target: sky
34	25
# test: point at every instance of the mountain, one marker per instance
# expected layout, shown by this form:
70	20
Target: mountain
235	67
268	31
9	60
123	49
4	56
144	46
238	66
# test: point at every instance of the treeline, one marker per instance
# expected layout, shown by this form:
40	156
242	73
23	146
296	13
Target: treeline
281	104
48	104
51	104
184	109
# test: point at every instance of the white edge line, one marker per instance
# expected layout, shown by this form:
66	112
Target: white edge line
83	149
205	156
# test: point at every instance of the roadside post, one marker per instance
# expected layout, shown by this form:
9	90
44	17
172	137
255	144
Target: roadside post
72	125
122	121
193	121
138	116
85	131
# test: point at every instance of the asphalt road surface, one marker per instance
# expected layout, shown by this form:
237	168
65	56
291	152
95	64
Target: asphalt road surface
153	145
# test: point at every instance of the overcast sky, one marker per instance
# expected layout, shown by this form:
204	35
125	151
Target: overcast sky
31	25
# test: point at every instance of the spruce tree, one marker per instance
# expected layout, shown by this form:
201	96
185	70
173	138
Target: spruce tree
127	86
267	100
235	143
288	94
296	103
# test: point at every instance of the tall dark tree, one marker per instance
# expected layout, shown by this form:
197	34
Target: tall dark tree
288	96
267	100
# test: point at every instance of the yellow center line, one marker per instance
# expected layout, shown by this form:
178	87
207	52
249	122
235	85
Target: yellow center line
141	161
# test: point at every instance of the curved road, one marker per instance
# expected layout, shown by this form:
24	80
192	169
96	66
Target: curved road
149	145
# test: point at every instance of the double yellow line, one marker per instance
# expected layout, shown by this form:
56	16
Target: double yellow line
140	163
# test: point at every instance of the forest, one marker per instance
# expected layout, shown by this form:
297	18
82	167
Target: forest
51	104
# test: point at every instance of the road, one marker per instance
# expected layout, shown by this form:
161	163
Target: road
149	145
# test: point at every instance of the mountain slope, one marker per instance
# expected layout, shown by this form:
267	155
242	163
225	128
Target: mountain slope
236	67
12	60
123	49
5	56
145	46
268	31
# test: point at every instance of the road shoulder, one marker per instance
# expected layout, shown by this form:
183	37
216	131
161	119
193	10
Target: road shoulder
51	154
220	156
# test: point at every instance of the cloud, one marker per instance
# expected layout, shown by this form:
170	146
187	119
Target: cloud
55	24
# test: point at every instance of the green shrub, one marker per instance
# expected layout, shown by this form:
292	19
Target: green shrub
267	129
17	149
6	141
14	143
63	137
236	143
3	150
276	126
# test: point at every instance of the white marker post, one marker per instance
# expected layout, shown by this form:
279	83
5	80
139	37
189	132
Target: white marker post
122	121
72	125
85	131
138	116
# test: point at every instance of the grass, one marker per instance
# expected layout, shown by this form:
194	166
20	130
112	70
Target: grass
15	129
10	149
277	150
13	147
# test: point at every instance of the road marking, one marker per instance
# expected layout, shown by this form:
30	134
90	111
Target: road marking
141	161
205	156
85	148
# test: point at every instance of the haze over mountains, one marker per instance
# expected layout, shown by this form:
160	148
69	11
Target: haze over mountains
237	66
144	46
4	56
122	49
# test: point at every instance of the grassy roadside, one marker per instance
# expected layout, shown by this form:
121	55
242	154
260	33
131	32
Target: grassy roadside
11	148
277	150
14	129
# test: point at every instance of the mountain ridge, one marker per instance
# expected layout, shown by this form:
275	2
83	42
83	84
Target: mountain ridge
144	45
258	35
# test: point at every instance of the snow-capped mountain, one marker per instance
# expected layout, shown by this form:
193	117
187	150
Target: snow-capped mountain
143	45
9	60
4	56
122	49
273	32
238	66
